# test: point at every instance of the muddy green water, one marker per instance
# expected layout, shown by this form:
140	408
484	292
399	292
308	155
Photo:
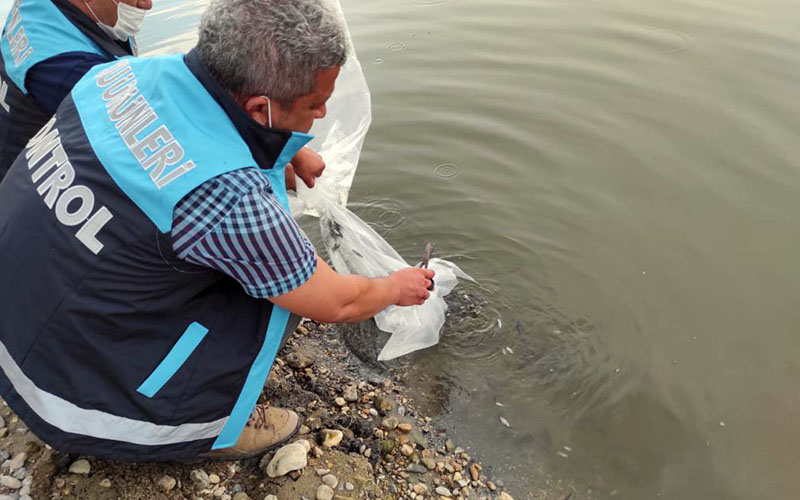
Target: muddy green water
623	178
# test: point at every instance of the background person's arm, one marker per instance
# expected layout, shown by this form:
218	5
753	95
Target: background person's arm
335	298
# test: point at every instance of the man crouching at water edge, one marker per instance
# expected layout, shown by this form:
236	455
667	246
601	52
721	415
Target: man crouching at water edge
46	47
148	260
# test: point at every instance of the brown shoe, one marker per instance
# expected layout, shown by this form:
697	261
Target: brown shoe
267	428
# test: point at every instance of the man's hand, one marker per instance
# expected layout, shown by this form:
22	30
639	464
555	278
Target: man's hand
306	164
330	297
413	284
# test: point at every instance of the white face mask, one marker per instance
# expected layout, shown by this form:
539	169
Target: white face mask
129	21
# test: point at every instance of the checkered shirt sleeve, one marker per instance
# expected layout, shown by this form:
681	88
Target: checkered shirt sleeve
235	224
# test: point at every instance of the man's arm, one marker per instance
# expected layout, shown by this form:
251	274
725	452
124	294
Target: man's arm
335	298
51	80
245	233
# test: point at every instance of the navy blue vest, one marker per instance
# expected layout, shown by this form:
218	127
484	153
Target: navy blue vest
37	30
109	344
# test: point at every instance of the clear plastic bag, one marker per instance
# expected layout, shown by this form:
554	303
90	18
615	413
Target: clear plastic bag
353	246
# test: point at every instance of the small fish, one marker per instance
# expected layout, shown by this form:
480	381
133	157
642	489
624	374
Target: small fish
501	405
509	350
505	422
562	454
499	323
567	448
426	256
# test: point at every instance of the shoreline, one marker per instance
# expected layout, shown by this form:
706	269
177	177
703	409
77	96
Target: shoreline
365	439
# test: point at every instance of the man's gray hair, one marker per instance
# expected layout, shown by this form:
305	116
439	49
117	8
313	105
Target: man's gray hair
271	47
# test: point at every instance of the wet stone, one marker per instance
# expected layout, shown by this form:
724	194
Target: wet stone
10	482
390	423
105	483
81	467
18	461
166	483
299	361
330	480
417	468
350	393
200	479
324	492
241	496
442	491
331	437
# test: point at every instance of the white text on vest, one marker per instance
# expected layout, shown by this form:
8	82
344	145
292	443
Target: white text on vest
47	159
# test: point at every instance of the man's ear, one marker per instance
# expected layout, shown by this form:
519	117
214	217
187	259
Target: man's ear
257	108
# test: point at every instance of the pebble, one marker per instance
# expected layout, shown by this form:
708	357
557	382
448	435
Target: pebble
350	393
105	483
10	482
349	486
420	489
474	473
289	458
448	445
213	479
81	466
383	405
324	492
404	427
331	437
166	483
505	496
387	446
417	468
21	473
270	497
442	491
407	450
340	401
304	430
323	472
298	360
199	478
491	486
330	480
429	463
390	423
18	461
241	496
373	412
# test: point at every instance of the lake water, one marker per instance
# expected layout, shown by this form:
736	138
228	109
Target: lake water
623	179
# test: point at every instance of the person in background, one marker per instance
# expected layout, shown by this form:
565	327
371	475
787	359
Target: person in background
149	261
47	46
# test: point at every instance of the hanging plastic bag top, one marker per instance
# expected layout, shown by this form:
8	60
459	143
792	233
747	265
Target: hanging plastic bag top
353	246
340	135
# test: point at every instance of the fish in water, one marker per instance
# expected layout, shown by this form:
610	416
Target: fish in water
505	422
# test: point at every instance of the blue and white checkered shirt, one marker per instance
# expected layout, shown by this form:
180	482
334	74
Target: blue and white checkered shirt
235	224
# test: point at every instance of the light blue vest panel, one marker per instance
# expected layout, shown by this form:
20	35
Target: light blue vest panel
182	105
34	31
